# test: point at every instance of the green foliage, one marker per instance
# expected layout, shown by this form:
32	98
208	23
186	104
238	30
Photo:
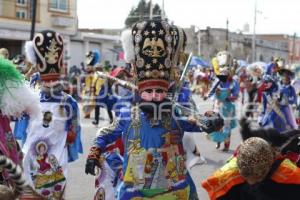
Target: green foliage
142	12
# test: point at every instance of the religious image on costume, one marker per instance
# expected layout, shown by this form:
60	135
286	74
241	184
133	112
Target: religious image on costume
47	175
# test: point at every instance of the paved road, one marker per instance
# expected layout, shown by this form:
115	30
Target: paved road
81	186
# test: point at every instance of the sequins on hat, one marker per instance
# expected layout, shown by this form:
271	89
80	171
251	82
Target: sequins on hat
48	46
156	48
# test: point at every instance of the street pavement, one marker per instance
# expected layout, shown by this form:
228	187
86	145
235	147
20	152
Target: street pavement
81	186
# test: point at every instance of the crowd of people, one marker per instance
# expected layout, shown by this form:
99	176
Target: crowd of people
143	152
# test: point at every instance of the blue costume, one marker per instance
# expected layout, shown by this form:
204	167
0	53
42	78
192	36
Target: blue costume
225	93
277	101
154	159
150	143
287	98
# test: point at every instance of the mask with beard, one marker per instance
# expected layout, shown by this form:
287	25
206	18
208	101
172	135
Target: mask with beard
155	109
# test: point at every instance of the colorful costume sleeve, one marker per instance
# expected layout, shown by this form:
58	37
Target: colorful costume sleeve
107	136
228	184
287	173
189	127
223	180
73	127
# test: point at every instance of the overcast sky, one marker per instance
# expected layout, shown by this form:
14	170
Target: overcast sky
274	16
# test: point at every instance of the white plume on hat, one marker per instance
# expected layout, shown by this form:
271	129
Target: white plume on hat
30	53
127	44
18	99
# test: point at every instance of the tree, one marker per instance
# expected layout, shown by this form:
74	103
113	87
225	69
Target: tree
142	12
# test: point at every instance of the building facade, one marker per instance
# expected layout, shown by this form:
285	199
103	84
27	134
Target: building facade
207	42
107	42
15	21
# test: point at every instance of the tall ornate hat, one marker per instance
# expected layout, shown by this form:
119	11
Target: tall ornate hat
156	48
46	50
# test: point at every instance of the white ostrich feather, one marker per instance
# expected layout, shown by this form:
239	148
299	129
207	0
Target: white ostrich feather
127	44
30	53
18	99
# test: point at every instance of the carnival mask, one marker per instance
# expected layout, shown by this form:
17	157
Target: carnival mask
223	58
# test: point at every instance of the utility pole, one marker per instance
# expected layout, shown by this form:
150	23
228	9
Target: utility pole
227	35
163	10
254	35
151	10
33	15
293	49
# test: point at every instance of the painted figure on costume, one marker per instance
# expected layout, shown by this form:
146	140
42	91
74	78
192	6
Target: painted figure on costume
150	169
53	138
225	91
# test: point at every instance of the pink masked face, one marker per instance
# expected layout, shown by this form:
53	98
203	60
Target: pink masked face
153	95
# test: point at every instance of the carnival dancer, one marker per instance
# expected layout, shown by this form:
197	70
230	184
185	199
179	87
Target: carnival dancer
274	113
287	97
16	97
253	83
112	95
225	91
88	91
256	172
154	159
97	84
54	137
243	79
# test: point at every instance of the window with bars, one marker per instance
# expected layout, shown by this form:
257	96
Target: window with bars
59	5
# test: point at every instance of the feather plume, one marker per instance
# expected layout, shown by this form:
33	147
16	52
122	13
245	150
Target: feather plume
30	53
127	44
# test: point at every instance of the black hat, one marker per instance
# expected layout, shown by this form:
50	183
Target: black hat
156	48
48	46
